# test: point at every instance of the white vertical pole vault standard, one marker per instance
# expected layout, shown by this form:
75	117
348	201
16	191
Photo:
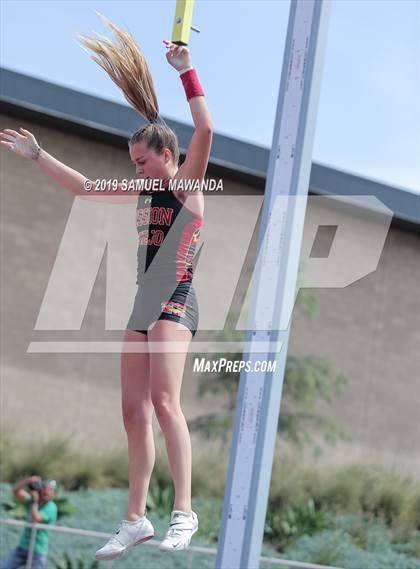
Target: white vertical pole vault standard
273	288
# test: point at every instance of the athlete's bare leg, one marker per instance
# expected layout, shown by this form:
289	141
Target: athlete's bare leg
166	373
137	411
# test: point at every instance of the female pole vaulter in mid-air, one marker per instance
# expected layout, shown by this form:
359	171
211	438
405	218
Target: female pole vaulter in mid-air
151	380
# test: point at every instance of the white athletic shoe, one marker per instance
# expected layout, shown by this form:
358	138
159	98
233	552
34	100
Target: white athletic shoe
182	527
128	535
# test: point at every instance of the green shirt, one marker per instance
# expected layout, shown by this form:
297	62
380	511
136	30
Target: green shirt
48	512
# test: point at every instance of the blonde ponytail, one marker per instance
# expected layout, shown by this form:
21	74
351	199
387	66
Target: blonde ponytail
126	66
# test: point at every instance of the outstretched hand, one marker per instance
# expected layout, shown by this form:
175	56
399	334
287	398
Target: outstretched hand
178	55
23	143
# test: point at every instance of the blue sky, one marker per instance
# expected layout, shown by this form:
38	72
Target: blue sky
368	119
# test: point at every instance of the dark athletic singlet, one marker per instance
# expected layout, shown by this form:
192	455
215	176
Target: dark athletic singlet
167	227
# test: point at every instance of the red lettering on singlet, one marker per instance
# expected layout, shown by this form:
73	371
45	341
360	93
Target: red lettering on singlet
157	237
154	215
166	215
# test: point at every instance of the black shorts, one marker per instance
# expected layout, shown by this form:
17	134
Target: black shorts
153	302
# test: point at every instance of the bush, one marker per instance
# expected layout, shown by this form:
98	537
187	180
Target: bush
382	494
160	499
43	457
409	518
291	485
68	563
210	515
208	475
366	490
56	458
328	548
304	519
338	548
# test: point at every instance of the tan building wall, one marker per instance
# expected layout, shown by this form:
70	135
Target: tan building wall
369	330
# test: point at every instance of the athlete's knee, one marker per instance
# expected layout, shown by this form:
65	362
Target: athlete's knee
166	406
136	416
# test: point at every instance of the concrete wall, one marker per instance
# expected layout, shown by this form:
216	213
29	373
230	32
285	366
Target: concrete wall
368	330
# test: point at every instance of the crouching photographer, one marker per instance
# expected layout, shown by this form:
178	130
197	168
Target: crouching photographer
38	500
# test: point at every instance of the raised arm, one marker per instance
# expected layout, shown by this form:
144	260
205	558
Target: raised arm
19	488
198	153
24	144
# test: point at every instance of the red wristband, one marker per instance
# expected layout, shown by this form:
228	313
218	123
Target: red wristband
191	84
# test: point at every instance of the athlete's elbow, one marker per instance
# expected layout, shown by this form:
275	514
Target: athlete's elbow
205	130
202	138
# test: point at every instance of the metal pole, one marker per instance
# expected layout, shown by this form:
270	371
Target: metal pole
31	547
273	288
